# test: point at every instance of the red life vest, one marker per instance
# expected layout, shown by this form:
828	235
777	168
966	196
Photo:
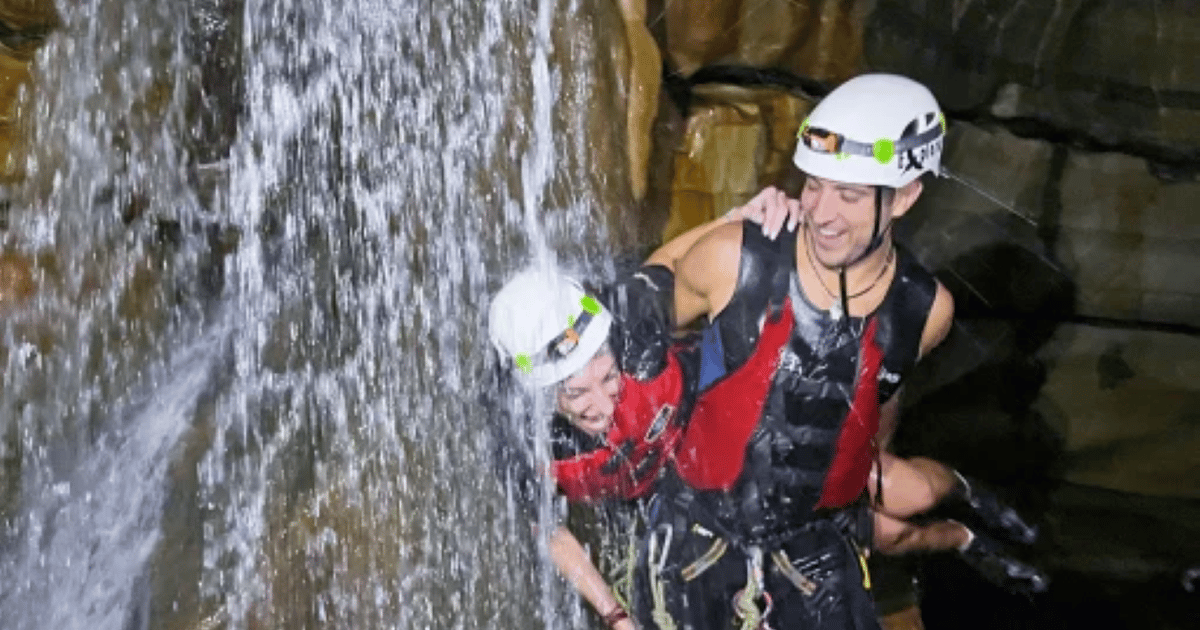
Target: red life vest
856	449
646	430
713	451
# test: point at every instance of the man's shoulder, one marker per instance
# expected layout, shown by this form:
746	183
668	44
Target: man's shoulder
918	278
721	244
707	274
741	249
940	320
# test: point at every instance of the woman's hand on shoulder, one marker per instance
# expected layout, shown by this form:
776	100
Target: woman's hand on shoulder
771	208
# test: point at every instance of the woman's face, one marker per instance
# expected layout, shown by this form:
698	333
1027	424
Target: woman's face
589	396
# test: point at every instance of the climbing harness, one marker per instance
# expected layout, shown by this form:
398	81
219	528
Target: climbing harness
623	581
861	555
801	581
710	557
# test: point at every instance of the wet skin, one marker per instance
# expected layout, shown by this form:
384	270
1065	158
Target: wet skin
840	219
589	397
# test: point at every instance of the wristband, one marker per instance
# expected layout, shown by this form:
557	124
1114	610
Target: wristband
616	614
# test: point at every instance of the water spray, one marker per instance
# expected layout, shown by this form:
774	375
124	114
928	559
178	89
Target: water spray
1044	254
945	172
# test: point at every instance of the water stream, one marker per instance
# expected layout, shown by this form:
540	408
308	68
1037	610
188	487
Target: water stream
244	396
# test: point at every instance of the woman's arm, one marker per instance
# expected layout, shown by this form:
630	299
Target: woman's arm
574	562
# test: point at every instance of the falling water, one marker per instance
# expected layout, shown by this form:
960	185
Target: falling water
270	227
94	398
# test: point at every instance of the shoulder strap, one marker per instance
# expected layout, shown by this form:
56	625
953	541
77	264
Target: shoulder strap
764	278
785	262
902	317
641	303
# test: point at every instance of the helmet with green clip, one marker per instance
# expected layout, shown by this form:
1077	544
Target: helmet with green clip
877	130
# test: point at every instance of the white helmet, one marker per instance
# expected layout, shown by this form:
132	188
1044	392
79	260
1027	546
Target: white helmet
876	130
547	325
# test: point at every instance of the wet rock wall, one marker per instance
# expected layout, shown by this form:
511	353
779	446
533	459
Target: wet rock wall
24	27
1080	121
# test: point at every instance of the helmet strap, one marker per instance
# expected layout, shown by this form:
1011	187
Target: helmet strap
875	235
876	241
876	232
844	295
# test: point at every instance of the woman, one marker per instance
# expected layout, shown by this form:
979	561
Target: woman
611	432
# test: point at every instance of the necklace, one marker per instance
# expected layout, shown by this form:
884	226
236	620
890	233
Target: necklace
882	272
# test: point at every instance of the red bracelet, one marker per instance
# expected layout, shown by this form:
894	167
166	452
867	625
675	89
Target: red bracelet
616	614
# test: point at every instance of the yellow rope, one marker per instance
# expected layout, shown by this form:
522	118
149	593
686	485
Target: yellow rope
662	617
747	610
623	584
861	554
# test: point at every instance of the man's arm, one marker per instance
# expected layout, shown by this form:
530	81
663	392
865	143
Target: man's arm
889	417
893	536
771	208
706	276
910	486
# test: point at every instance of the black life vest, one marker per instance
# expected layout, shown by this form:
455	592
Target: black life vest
789	429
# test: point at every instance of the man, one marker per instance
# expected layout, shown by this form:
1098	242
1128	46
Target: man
761	523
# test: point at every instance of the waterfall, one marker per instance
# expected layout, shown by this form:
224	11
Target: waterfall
106	366
275	226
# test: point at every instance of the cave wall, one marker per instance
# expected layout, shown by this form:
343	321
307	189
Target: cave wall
816	38
24	26
1104	73
1080	121
731	139
1084	117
